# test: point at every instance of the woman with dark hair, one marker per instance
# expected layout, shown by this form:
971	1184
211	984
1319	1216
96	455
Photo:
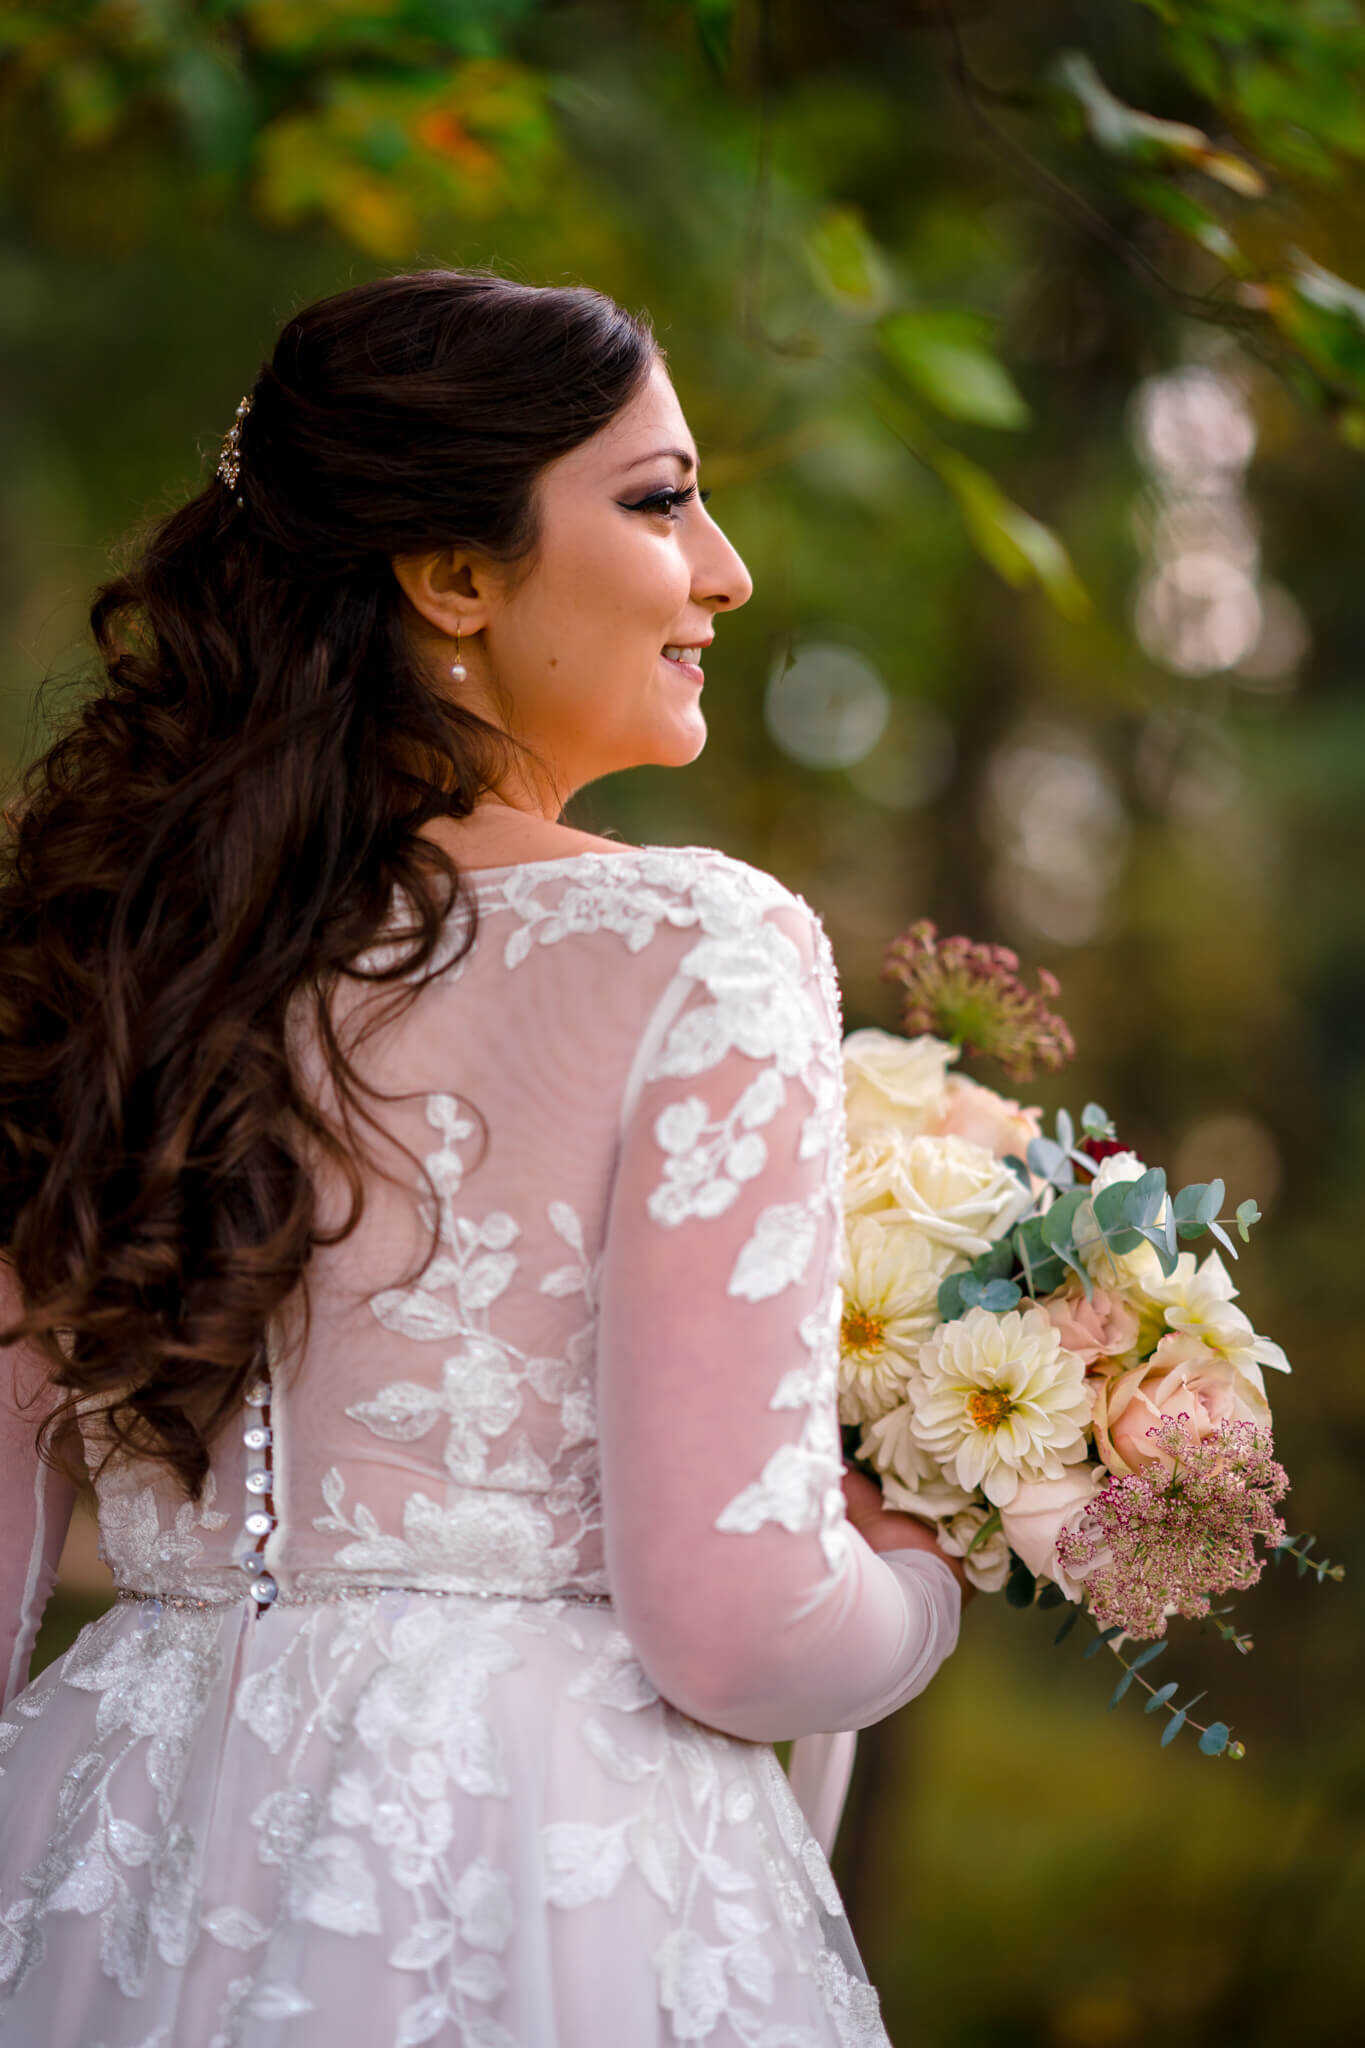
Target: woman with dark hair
421	1219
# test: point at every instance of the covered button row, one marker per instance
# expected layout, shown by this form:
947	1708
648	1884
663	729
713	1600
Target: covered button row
259	1521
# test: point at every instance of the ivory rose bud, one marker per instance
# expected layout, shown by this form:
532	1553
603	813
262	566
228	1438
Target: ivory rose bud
987	1119
1039	1512
894	1081
1103	1327
986	1563
873	1165
1183	1377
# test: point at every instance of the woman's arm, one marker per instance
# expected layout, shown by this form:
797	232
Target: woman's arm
751	1601
35	1500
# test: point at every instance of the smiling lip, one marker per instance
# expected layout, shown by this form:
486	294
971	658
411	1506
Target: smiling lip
688	668
691	669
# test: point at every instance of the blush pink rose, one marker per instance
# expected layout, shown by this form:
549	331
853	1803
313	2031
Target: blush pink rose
1103	1327
987	1119
1039	1512
1183	1377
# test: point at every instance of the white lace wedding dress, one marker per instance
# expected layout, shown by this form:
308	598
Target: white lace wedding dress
444	1715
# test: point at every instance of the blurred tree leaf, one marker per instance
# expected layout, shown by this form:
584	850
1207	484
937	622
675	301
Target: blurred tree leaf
1173	204
1016	544
945	355
1322	315
1143	138
847	264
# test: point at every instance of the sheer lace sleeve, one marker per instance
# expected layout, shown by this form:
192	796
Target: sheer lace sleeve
35	1504
751	1602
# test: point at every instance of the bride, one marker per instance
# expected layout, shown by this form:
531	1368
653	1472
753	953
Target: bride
421	1219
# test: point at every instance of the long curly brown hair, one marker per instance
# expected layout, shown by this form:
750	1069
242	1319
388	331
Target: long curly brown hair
226	820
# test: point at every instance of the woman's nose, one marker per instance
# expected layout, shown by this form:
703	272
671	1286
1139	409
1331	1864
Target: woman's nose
721	580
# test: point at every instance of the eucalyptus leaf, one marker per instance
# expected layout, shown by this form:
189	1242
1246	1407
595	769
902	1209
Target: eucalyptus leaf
1106	1635
1214	1739
1019	1168
1217	1230
1146	1196
951	1306
1043	1270
1172	1728
1120	1689
1046	1158
1059	1222
1149	1655
997	1263
1161	1695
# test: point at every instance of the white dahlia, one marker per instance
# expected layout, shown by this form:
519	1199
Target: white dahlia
890	1305
911	1478
1001	1401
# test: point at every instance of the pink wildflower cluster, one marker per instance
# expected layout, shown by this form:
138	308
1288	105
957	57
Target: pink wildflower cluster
972	995
1170	1535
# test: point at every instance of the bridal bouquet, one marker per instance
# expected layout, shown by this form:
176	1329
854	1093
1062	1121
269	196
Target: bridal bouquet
1030	1359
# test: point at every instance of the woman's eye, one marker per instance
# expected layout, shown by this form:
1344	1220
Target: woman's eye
668	501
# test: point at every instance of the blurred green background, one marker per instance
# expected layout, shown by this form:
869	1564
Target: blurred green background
1022	354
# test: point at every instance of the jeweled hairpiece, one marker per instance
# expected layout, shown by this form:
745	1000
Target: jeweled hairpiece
229	458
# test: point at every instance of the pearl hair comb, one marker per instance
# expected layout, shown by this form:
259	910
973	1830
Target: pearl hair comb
229	458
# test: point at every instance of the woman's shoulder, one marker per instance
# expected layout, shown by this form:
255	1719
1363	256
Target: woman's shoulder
708	887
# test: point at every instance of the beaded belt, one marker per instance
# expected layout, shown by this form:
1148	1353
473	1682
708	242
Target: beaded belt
329	1595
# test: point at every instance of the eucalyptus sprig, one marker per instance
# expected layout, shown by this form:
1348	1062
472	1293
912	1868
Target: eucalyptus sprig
1298	1548
1215	1737
1067	1223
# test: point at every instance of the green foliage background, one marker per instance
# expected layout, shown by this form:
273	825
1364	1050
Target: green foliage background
918	269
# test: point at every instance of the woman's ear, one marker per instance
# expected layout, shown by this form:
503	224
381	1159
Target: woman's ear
447	589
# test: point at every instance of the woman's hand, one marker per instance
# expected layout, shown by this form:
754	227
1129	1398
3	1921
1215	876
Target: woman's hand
886	1528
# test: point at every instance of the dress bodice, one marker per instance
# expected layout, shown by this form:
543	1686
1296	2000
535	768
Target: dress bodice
438	1429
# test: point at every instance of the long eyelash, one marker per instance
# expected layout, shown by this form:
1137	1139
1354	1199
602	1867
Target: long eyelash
666	501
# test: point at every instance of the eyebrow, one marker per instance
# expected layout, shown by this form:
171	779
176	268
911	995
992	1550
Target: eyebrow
679	455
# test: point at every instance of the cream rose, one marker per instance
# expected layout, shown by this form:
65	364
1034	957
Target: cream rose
873	1166
1039	1512
896	1082
1103	1327
992	1121
958	1193
1183	1377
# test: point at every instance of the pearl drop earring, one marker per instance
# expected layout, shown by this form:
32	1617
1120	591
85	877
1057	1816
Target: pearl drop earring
458	671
